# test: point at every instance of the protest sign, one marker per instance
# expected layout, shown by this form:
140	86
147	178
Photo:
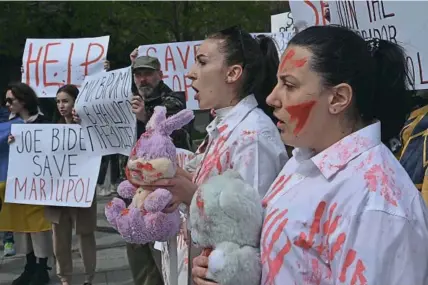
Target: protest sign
49	165
281	23
402	22
104	106
308	13
177	58
51	63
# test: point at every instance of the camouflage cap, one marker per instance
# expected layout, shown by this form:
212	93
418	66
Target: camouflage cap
146	62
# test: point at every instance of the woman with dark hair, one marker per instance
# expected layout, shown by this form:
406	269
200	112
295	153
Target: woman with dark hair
23	102
32	231
349	213
233	74
64	219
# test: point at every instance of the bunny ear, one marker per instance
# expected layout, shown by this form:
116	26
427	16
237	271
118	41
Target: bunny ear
159	115
176	121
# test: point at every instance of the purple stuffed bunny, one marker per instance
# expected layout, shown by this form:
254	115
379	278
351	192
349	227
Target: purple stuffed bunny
152	158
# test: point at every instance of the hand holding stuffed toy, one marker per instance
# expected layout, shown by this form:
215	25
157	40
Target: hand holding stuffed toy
226	219
152	158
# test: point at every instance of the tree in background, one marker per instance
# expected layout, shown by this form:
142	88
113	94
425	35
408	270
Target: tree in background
129	24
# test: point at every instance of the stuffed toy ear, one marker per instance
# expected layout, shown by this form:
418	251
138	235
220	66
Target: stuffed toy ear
176	121
159	115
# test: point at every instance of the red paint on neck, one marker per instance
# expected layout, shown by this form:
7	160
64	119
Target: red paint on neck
300	114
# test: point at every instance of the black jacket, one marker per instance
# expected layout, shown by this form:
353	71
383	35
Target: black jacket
174	103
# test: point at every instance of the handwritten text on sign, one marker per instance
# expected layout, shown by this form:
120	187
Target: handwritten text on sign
50	63
309	13
402	22
104	105
49	165
177	58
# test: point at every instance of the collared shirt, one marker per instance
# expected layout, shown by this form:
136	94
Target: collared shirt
243	138
348	215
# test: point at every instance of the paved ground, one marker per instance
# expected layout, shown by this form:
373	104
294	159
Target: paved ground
112	264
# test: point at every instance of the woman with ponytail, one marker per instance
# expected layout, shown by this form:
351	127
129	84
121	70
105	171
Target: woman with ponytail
348	212
233	74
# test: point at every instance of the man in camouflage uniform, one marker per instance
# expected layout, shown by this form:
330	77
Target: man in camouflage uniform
151	91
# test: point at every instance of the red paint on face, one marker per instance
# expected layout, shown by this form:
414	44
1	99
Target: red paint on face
288	58
300	114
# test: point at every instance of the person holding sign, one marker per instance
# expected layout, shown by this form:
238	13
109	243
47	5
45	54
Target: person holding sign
343	210
32	231
233	74
64	219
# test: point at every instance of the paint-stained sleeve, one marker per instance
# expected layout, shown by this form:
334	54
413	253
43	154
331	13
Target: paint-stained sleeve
377	247
259	157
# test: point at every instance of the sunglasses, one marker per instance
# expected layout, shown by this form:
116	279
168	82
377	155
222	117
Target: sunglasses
236	32
9	100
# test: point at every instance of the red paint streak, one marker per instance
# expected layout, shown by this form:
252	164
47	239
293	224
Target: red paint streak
222	128
268	249
305	242
300	114
109	204
275	264
288	58
199	201
349	259
277	187
376	177
70	55
206	252
337	246
359	273
125	212
145	166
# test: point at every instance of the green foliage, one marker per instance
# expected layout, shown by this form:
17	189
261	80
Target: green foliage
129	24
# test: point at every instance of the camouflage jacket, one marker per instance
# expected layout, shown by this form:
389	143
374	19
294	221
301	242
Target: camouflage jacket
174	103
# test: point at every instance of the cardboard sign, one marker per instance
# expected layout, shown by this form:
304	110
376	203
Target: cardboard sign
402	22
282	23
51	63
177	58
49	165
104	106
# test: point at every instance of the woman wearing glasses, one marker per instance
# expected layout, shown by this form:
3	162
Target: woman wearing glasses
32	232
346	211
233	74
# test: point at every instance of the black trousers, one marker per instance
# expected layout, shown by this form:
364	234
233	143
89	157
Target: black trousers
113	159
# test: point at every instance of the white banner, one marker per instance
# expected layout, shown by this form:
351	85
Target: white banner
177	58
51	63
282	23
49	165
104	106
402	22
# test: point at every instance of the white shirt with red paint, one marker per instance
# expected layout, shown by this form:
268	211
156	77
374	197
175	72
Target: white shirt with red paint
245	139
348	215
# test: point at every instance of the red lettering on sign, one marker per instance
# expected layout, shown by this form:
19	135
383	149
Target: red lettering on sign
30	61
169	57
151	49
186	57
70	55
45	62
97	58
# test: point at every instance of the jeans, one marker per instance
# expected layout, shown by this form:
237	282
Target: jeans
8	237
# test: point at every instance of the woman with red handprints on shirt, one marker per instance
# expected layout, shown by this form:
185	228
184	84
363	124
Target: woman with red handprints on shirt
232	75
343	210
64	219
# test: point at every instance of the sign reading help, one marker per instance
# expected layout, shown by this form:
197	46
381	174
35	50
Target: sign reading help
51	63
49	165
104	106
